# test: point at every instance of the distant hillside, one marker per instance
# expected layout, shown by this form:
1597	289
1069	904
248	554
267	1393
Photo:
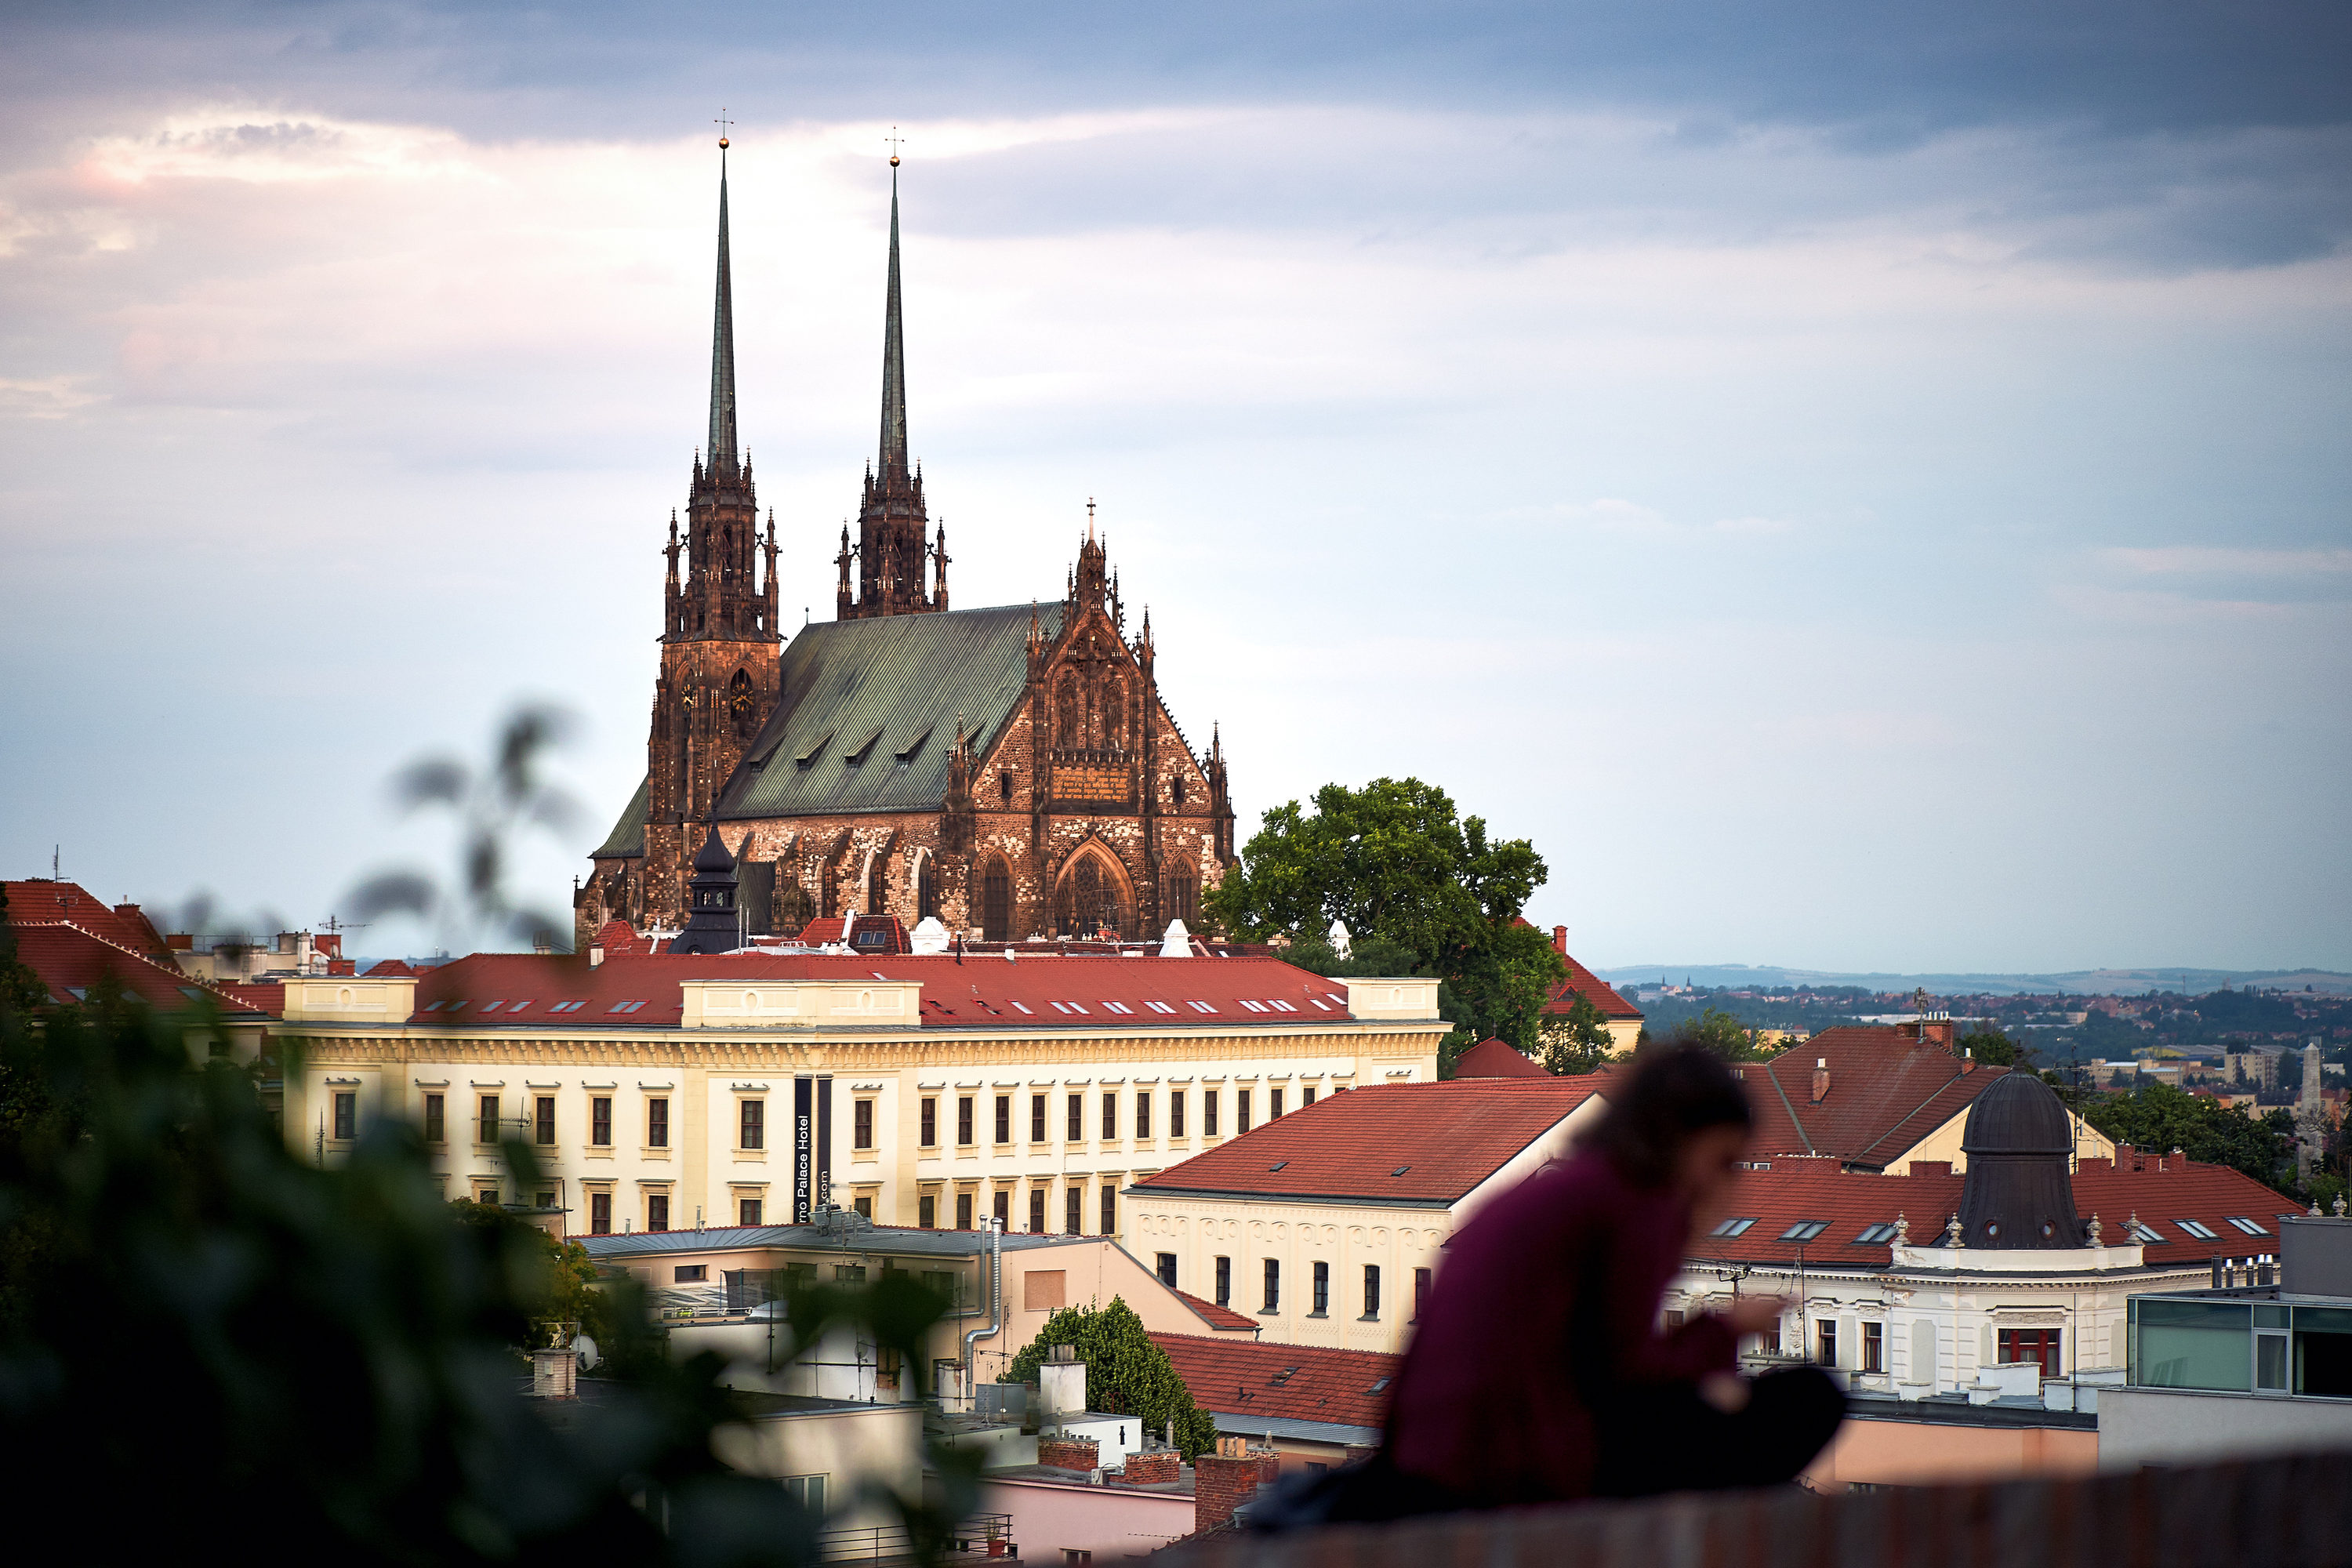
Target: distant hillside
2078	982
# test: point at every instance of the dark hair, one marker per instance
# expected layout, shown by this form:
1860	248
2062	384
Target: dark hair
1668	1094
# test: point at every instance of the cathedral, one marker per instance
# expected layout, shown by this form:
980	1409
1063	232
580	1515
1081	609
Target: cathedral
1011	771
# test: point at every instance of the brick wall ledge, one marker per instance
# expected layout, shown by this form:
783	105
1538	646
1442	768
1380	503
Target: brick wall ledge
2290	1512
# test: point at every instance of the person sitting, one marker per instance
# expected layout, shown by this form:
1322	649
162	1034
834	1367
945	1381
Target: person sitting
1538	1372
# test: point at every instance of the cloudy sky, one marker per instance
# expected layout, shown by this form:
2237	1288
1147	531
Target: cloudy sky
1858	490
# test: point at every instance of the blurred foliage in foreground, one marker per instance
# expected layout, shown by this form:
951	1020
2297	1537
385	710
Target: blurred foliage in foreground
204	1339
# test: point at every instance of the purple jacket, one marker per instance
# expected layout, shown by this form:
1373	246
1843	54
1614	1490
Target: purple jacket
1547	1310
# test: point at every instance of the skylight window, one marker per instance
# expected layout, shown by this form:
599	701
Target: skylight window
1324	1006
1117	1007
1734	1226
455	1006
1277	1165
1022	1008
1376	1387
565	1007
1161	1006
1401	1170
1805	1230
494	1004
2197	1230
2145	1233
518	1006
1079	1008
191	992
1253	1006
1872	1236
2248	1226
1198	1007
626	1007
1279	1006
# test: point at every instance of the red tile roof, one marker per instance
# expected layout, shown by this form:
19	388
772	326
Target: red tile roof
122	925
393	967
1796	1191
266	997
1887	1091
1582	981
69	959
975	993
1282	1381
1425	1143
1496	1058
1219	1317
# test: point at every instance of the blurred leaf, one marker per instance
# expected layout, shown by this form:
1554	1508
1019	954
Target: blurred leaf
403	891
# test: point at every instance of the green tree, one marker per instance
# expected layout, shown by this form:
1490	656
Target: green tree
20	989
1579	1042
1721	1033
1992	1048
2158	1117
1395	862
1125	1373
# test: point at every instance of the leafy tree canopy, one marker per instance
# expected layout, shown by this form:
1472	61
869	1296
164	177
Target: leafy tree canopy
1721	1033
1125	1373
1992	1047
1398	866
2158	1117
1578	1043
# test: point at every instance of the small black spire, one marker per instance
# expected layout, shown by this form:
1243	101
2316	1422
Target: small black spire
894	357
723	340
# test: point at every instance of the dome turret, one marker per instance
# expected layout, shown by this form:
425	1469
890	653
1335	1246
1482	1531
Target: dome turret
2019	1190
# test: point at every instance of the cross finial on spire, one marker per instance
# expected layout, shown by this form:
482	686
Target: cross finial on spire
724	125
895	141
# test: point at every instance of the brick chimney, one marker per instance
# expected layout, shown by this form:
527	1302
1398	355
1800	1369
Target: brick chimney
555	1374
1560	939
1152	1467
1222	1482
2126	1158
1820	1078
1069	1453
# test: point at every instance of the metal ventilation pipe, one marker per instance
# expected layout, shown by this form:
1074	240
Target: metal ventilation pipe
995	1306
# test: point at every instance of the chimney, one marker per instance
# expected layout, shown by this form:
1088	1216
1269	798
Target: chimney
1069	1453
595	955
1222	1482
1560	939
555	1374
2126	1158
1968	1059
1820	1078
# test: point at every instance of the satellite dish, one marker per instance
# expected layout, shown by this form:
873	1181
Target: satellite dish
588	1353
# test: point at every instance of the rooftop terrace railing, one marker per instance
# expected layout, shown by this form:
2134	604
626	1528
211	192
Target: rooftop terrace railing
2288	1512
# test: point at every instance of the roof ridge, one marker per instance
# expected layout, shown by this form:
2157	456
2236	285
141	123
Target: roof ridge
1794	1119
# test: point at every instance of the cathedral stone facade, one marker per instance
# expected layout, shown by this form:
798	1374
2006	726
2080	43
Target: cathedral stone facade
1011	771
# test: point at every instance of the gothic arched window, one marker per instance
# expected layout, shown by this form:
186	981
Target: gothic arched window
926	892
1114	713
877	887
794	908
1183	895
996	902
740	702
1065	712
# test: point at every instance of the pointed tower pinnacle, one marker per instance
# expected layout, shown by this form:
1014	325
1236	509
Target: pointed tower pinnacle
894	358
722	446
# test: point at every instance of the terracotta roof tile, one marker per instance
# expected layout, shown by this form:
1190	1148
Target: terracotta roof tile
1496	1058
1582	981
1220	1317
1416	1143
124	926
1282	1382
1887	1089
1799	1191
69	960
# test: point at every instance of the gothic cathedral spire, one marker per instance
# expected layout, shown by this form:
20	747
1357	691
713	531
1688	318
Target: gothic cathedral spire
723	449
895	553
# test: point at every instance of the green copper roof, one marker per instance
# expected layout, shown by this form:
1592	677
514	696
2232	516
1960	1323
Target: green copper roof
886	691
628	835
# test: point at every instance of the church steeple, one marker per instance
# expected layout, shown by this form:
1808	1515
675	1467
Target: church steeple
722	447
894	358
895	555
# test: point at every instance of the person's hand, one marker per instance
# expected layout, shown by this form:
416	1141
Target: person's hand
1756	1314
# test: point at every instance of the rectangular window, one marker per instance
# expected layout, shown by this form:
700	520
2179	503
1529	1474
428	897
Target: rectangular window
746	1211
849	1274
657	1124
755	1124
926	1212
600	1214
1208	1098
488	1131
1306	1096
1167	1269
658	1211
1036	1211
1825	1342
347	1114
861	1124
2039	1346
1241	1110
1420	1293
808	1491
1371	1290
1110	1208
1273	1285
1074	1206
1873	1347
543	1124
931	1122
1143	1113
1225	1281
1175	1113
1111	1117
487	1196
1076	1130
1273	1103
1036	1119
963	1122
1673	1321
863	1207
963	1211
1003	1209
1005	1119
600	1120
1322	1290
690	1274
436	1126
